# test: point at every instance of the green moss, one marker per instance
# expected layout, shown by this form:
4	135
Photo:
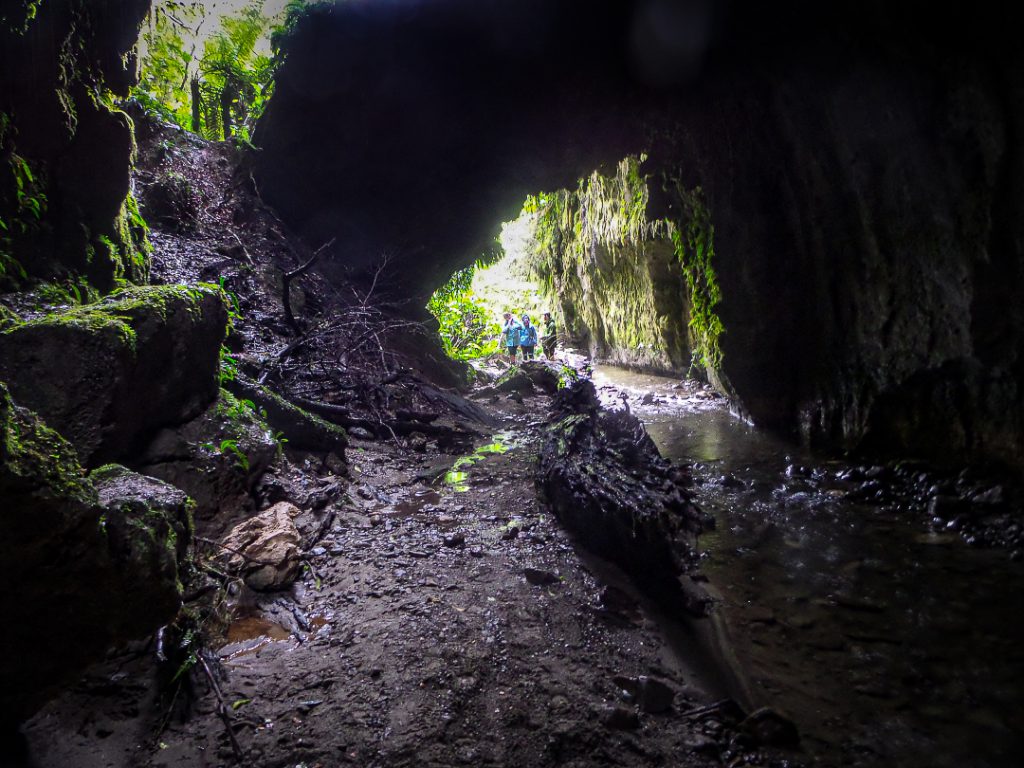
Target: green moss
18	15
238	416
119	312
694	241
34	453
8	318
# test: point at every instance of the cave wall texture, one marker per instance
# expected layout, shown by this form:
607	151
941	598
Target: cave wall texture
62	62
862	164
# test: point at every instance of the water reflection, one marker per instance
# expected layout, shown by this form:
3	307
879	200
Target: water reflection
888	644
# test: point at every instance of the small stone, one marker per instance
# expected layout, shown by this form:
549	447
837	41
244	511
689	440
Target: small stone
418	442
655	695
360	433
558	704
375	520
539	578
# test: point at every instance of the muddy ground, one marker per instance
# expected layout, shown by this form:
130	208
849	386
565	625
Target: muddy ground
441	619
441	624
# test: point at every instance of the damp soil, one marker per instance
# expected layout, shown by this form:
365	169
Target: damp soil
440	623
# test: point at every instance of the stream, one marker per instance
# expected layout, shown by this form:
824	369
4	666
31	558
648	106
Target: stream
888	642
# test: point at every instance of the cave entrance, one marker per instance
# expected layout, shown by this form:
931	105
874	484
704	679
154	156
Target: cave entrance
624	284
470	307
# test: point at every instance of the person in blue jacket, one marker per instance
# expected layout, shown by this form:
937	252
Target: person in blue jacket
528	338
511	331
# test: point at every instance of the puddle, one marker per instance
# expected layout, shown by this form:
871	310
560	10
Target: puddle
421	500
249	634
457	478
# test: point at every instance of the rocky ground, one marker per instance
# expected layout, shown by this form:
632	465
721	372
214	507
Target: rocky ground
412	601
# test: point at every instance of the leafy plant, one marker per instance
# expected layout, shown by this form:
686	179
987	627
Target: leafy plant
23	203
218	84
228	366
241	459
467	328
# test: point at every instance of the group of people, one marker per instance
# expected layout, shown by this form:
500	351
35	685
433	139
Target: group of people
522	334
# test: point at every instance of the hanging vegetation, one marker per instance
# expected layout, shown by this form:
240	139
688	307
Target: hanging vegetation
599	254
694	241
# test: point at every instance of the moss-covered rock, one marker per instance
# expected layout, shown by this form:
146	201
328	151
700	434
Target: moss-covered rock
216	458
303	430
602	476
61	66
88	562
612	271
109	375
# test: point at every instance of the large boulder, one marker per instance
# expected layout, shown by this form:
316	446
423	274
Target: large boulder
87	562
61	63
216	458
108	376
602	476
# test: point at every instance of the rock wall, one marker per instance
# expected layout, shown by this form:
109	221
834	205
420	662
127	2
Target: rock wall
89	560
865	242
613	273
861	163
65	150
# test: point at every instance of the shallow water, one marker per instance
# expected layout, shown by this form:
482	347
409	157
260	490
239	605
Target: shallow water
886	642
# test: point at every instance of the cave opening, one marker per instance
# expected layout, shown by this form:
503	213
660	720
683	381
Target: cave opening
237	470
621	284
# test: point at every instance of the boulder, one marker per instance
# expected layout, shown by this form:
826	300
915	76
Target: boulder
545	376
770	729
88	562
515	379
216	458
603	478
265	548
108	376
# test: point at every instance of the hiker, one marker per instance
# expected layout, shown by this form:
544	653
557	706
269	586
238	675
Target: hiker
511	333
548	337
528	338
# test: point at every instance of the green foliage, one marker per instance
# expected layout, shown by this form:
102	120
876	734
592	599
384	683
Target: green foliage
69	292
16	15
578	237
228	366
217	91
23	204
241	459
467	328
695	249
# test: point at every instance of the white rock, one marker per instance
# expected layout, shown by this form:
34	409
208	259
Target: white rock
269	547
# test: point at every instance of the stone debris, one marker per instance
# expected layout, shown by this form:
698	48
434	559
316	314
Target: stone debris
265	548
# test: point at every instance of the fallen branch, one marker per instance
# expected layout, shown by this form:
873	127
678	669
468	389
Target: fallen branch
286	297
222	710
